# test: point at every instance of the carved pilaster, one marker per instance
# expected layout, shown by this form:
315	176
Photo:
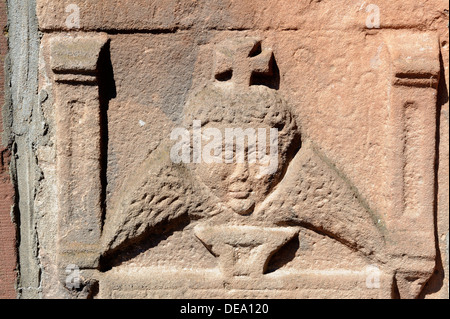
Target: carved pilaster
415	70
74	62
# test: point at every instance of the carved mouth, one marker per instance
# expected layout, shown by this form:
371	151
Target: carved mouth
240	195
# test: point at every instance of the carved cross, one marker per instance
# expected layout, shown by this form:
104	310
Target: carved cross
240	60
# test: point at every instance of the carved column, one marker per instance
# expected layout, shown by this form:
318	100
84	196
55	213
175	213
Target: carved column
415	70
74	62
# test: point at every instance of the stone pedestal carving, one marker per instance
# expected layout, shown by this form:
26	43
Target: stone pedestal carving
244	250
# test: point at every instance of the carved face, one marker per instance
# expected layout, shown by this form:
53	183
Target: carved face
244	182
241	183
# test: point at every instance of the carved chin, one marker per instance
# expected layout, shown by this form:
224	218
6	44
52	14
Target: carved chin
242	206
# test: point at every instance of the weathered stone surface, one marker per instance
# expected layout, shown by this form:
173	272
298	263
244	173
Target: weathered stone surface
238	15
8	257
338	187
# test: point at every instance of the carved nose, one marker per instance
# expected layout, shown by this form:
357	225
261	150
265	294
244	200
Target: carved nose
240	173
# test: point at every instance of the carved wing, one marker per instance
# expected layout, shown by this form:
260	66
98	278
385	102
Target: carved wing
315	195
158	192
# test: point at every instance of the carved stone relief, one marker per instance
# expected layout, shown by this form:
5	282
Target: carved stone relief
146	212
